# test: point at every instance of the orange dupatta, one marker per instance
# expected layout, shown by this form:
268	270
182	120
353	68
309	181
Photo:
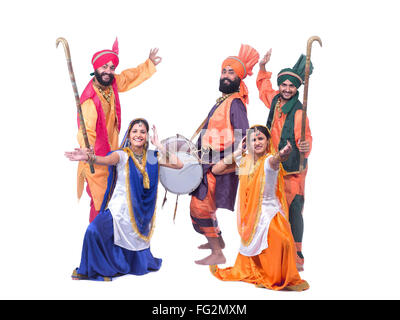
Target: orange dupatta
251	189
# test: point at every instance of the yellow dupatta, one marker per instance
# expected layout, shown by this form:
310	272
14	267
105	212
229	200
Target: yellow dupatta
141	166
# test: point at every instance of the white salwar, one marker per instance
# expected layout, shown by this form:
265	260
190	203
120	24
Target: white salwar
269	208
124	235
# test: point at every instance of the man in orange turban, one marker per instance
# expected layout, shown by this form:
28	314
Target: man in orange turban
223	129
101	112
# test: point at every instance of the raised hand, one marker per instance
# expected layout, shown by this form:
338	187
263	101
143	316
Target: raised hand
154	138
265	59
153	56
242	147
281	156
286	150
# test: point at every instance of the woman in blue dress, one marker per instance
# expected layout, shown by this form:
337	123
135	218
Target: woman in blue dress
117	242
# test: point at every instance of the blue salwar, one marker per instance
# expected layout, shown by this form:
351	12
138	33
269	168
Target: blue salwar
101	258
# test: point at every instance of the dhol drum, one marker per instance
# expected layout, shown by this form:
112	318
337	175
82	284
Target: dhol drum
187	179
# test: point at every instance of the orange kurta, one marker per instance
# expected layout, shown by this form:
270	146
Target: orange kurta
294	183
220	133
127	80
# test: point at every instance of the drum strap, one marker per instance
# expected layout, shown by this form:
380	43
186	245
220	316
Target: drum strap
219	101
198	129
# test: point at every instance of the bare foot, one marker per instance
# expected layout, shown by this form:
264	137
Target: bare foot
213	259
221	243
204	246
208	245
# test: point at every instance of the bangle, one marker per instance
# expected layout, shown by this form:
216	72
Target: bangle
278	157
91	158
167	155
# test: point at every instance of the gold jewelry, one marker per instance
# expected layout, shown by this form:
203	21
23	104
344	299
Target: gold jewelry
141	166
167	155
278	157
221	99
279	108
91	158
139	157
106	96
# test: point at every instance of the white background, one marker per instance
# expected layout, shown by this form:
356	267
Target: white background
351	241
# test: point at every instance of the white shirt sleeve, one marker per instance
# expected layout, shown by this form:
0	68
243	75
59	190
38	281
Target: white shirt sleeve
123	157
267	166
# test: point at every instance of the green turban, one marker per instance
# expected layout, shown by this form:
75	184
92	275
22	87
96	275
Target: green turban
296	74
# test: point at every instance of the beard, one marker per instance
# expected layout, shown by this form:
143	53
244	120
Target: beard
230	86
99	78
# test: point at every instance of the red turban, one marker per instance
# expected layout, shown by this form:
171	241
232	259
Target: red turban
243	65
102	57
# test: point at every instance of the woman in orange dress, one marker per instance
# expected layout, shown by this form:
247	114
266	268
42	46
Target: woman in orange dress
267	254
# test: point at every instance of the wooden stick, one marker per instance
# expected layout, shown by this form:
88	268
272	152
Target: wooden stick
75	89
306	81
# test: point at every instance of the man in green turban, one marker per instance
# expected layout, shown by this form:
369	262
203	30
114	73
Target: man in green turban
284	122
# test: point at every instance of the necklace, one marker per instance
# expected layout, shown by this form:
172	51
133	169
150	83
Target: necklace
139	157
106	96
221	99
279	108
140	165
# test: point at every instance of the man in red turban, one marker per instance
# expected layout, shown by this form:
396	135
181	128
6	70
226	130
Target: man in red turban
101	111
224	128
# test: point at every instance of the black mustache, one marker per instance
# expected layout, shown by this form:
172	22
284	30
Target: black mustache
229	80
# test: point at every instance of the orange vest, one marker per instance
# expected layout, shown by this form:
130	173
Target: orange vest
219	133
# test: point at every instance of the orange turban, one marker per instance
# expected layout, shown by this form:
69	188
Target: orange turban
243	65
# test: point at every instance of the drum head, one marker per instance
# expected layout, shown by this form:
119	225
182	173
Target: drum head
187	179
